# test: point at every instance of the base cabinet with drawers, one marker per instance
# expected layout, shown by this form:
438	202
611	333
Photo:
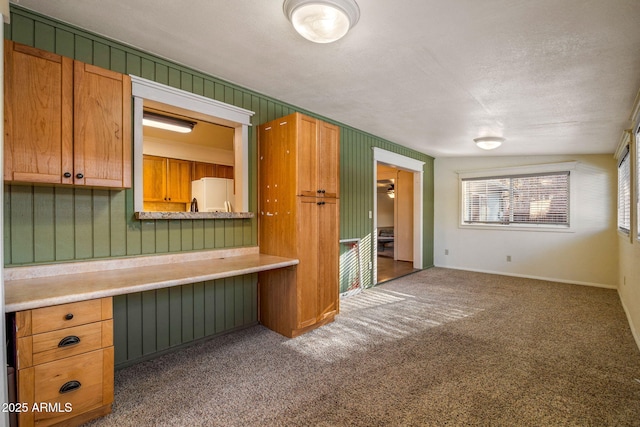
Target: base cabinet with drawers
64	362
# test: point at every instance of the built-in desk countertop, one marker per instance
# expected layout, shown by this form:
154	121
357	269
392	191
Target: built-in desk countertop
38	286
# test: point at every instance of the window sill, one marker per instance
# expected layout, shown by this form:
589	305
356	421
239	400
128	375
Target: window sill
540	228
193	215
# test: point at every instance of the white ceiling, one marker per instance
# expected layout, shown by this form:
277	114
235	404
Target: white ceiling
551	76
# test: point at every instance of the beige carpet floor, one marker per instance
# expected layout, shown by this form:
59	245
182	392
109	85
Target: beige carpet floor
439	347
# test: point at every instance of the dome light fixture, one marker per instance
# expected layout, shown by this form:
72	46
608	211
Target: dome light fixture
322	21
489	142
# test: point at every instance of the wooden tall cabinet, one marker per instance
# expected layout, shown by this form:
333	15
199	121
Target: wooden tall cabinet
66	122
299	211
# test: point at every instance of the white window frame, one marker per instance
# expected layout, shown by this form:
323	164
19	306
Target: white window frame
512	172
625	158
220	113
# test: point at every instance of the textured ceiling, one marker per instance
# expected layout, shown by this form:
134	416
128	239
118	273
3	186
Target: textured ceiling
552	77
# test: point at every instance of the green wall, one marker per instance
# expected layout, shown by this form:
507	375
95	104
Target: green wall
56	224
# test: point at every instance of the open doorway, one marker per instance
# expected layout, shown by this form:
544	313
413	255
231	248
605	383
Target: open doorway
395	224
398	200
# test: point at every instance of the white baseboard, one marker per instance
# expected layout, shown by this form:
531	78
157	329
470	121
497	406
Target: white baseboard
529	276
634	332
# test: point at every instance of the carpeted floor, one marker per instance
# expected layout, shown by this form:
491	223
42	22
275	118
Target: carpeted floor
439	347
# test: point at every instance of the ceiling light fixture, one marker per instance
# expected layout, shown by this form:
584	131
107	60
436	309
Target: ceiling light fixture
489	142
322	21
167	123
391	191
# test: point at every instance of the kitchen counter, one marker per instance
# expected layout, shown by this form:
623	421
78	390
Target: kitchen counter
52	284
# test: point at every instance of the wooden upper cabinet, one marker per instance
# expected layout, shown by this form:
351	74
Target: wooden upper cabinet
66	122
178	181
203	170
211	170
328	159
318	151
166	180
38	102
102	127
154	179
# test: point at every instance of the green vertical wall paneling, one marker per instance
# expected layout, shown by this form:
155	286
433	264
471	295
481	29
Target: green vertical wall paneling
79	231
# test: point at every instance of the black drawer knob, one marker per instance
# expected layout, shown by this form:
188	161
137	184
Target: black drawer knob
70	386
70	340
68	316
67	174
79	176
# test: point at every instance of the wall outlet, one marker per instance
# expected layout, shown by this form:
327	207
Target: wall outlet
508	258
370	265
446	251
370	215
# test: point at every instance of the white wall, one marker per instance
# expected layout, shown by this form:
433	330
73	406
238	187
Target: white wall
629	282
588	255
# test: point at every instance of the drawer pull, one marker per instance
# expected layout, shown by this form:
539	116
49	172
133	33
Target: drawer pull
70	386
70	340
69	316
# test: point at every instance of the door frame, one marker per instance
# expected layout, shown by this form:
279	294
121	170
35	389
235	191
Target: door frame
411	165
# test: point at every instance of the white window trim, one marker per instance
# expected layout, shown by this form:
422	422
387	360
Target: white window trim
621	149
226	114
521	170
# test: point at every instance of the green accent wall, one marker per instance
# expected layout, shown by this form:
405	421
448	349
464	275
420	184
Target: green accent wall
57	224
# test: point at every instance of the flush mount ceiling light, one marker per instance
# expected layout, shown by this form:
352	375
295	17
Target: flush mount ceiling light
322	21
167	123
489	142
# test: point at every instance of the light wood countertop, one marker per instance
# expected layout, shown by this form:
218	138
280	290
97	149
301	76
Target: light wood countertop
41	286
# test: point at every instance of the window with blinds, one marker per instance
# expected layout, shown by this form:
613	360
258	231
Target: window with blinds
624	192
532	199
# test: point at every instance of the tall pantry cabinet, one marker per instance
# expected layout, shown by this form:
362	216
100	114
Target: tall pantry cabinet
298	217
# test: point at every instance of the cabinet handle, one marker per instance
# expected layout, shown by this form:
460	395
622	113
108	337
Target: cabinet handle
323	191
67	175
68	316
320	203
70	386
70	340
319	191
79	176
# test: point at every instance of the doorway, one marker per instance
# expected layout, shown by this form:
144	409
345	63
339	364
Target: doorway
398	201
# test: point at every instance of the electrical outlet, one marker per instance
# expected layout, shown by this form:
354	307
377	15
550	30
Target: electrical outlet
370	215
370	266
446	251
508	258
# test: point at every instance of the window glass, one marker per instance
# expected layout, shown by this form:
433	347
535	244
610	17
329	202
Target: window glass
535	199
624	193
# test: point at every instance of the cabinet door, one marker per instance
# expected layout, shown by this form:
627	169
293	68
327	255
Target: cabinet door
203	170
178	181
307	138
328	160
224	171
154	178
38	104
307	269
328	253
102	127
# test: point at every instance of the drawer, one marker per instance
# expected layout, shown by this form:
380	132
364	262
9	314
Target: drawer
72	385
65	315
50	346
55	317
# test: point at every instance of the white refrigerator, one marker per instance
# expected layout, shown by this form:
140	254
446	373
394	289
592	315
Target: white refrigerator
213	194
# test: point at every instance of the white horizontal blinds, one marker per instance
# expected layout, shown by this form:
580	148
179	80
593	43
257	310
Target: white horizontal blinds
520	199
624	192
635	142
